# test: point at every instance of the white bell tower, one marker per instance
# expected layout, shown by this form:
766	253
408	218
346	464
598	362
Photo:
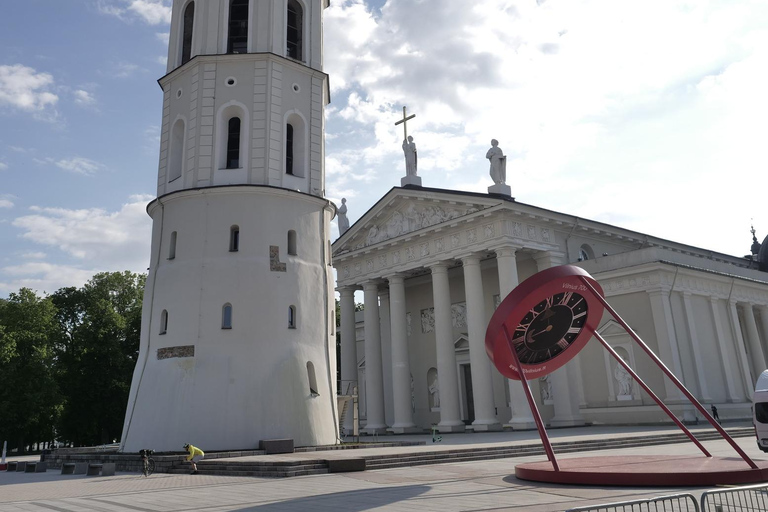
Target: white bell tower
237	341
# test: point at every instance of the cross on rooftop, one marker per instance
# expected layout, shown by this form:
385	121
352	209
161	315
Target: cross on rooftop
404	122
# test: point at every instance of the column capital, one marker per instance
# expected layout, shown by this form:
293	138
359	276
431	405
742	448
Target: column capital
554	258
472	258
347	290
397	277
372	284
505	249
439	266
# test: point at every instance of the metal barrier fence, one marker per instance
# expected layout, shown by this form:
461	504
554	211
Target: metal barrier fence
753	498
673	503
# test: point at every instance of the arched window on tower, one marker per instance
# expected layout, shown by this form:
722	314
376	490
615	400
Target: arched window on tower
292	242
295	145
289	148
226	316
233	143
186	38
176	157
292	317
234	239
164	322
294	30
312	379
237	42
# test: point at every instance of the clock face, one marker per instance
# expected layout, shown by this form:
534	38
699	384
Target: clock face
550	327
545	321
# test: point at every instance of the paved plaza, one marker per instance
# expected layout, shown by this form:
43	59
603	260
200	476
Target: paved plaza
466	486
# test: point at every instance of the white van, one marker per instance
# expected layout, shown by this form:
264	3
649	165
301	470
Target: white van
760	411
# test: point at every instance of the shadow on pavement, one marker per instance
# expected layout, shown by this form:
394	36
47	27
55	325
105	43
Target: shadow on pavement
350	501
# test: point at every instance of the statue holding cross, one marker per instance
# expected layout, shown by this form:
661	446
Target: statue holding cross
409	150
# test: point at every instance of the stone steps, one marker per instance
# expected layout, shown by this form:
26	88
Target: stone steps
318	466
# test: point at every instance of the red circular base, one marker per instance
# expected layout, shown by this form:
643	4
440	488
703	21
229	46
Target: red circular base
646	470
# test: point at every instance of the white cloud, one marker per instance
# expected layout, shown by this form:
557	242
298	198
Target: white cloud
84	98
3	166
39	255
24	88
152	12
6	203
78	165
43	277
127	69
98	239
163	37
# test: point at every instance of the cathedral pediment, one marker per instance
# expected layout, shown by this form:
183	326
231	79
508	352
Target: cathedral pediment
401	215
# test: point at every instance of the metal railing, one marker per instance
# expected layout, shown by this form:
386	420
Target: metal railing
753	498
672	503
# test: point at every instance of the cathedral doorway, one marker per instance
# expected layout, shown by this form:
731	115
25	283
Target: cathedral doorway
468	401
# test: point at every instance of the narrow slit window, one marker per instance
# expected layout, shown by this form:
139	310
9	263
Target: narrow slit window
292	317
226	316
233	143
312	379
186	40
289	148
294	29
292	242
172	247
237	41
234	239
164	322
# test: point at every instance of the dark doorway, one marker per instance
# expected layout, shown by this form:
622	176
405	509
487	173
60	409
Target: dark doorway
470	400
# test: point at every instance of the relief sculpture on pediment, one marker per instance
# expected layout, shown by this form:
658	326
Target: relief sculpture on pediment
409	219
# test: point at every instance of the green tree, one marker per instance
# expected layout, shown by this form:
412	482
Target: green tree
29	399
97	347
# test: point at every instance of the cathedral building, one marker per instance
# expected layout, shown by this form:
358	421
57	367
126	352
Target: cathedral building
238	335
433	264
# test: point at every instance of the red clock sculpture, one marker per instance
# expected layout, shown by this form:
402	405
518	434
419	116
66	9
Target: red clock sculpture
540	326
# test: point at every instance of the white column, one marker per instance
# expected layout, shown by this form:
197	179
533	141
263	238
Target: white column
401	369
738	339
348	350
725	354
522	418
374	382
669	352
482	386
566	380
758	358
386	354
764	324
696	348
448	379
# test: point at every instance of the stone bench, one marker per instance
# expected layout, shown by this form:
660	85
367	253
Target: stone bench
271	446
74	468
21	466
11	466
345	465
103	469
36	467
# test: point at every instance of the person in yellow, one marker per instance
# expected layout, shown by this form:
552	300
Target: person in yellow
195	454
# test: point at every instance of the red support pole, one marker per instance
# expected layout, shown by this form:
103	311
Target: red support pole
532	403
650	392
669	374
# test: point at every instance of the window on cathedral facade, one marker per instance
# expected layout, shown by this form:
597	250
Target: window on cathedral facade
186	38
234	239
294	30
226	316
233	143
237	42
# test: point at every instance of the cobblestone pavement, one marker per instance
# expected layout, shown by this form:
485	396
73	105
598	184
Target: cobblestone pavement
469	486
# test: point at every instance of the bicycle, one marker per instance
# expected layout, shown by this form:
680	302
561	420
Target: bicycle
147	462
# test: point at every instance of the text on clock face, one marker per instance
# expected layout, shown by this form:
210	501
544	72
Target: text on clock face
550	327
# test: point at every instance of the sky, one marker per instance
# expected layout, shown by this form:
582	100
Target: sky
647	115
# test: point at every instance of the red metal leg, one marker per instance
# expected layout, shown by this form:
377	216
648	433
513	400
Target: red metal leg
532	403
669	374
650	392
